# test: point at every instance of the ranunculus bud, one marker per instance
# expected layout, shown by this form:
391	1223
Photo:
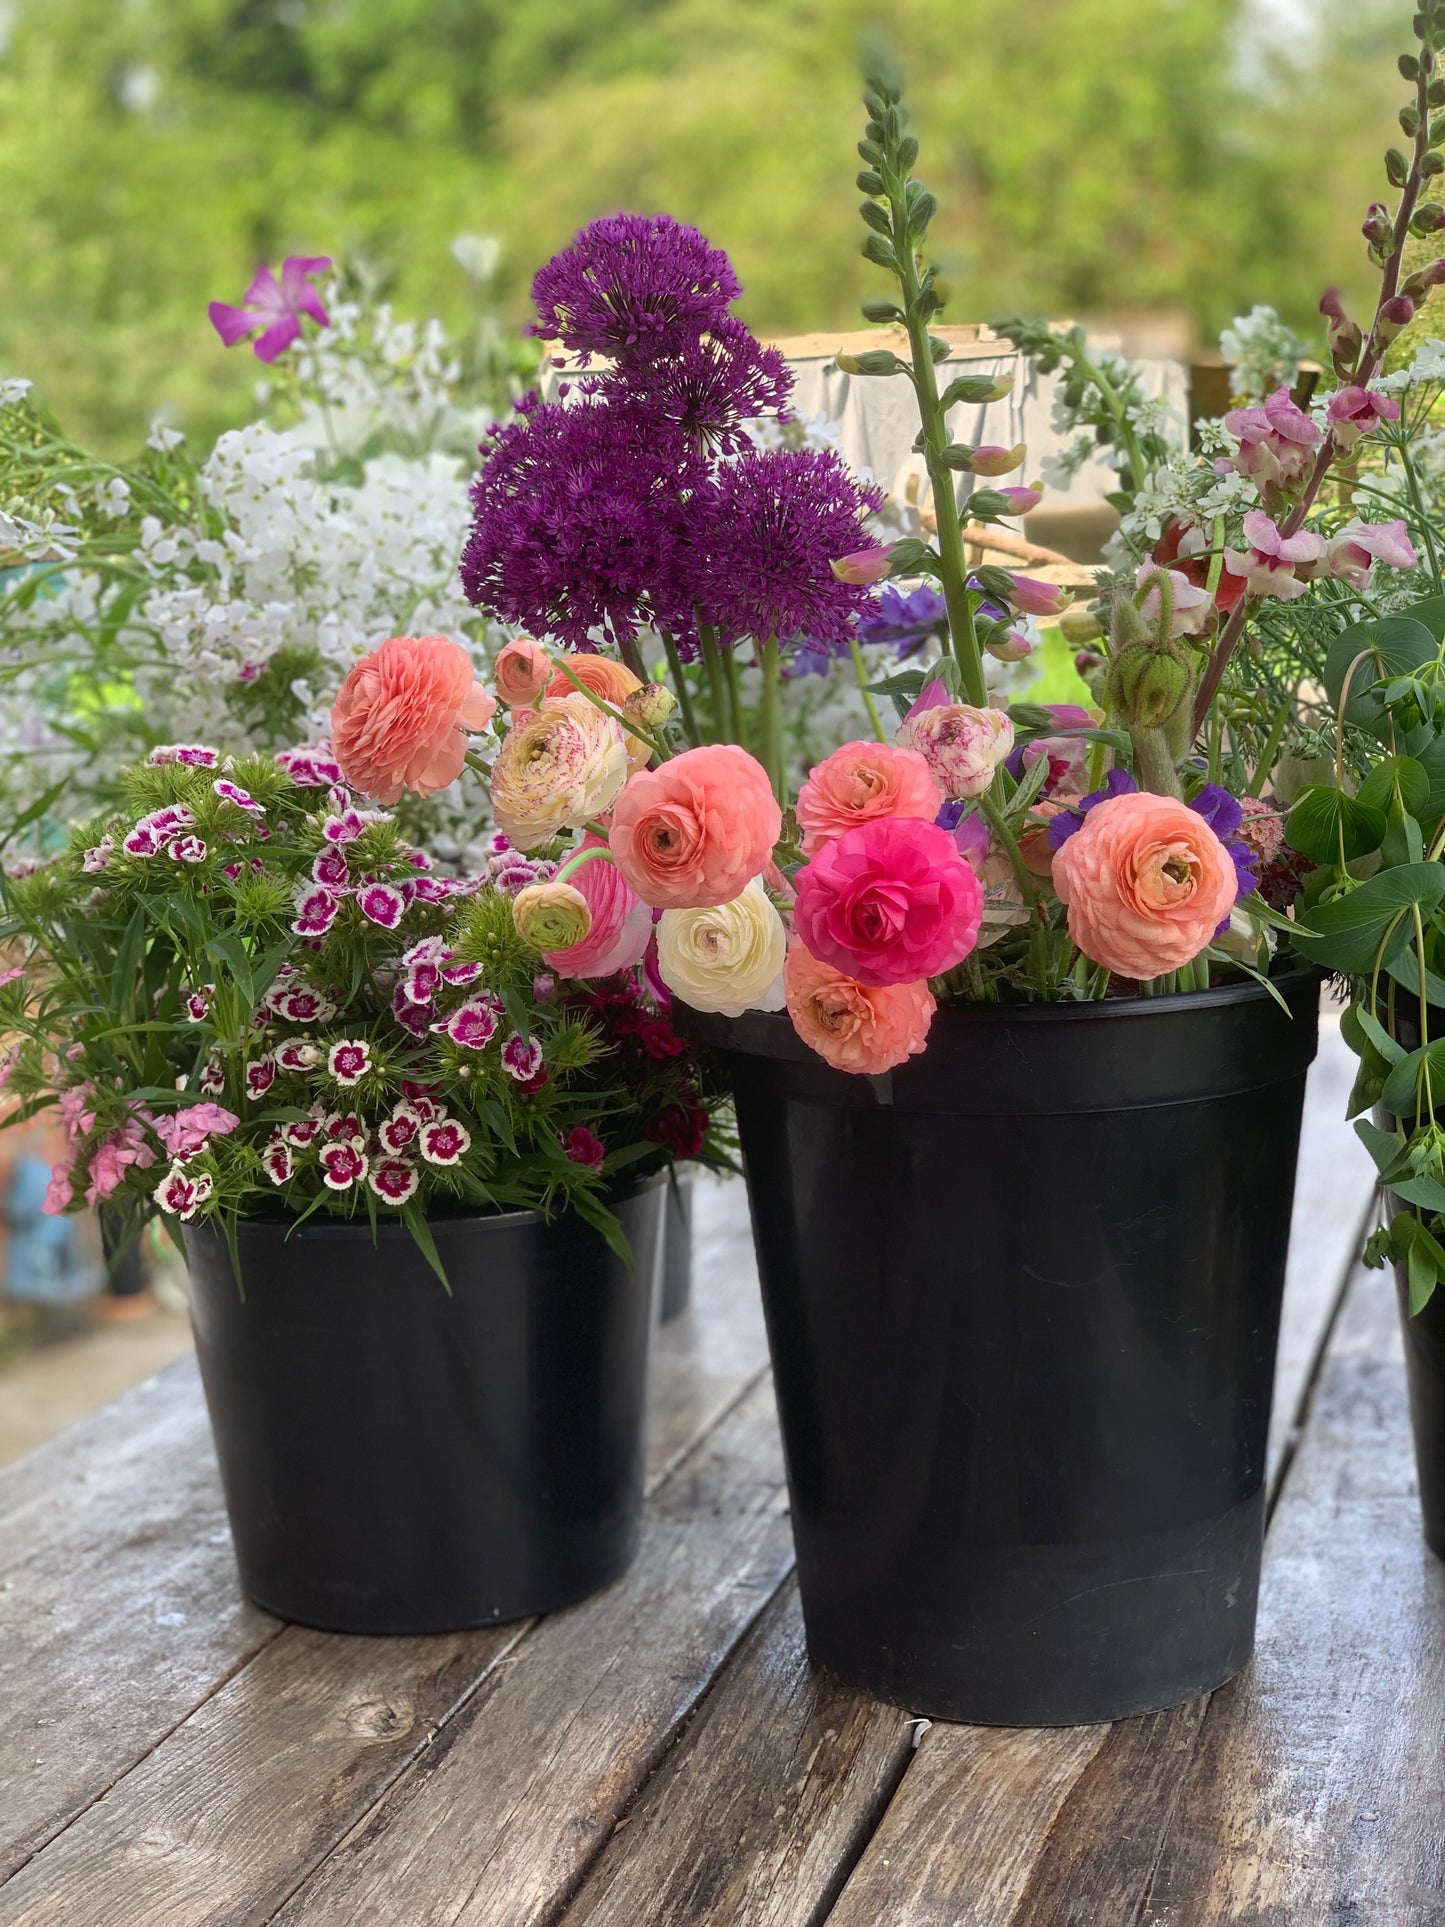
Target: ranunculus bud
862	565
551	915
650	706
1148	683
522	671
961	745
1394	315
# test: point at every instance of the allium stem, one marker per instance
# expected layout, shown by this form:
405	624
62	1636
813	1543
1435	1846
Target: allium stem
737	716
772	744
707	638
679	683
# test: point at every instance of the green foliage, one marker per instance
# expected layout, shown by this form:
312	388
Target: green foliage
1090	154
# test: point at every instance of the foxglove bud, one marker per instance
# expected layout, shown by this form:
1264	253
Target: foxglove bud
991	460
1009	646
862	565
875	361
650	706
1394	315
1431	165
976	388
1149	683
1428	219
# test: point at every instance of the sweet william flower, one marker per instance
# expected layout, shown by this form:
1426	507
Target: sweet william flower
556	769
863	1028
581	1146
728	958
696	831
402	716
889	902
1357	546
1146	882
275	310
860	781
961	745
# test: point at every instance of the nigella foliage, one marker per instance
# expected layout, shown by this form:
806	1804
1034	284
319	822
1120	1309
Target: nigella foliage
643	501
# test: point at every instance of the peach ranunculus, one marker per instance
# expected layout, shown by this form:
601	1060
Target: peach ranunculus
557	767
696	831
521	672
1147	883
861	781
621	922
865	1028
401	718
613	681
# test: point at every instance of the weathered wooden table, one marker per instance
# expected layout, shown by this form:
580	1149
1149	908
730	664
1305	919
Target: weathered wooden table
664	1754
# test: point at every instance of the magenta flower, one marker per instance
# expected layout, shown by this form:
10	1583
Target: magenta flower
445	1141
349	1060
522	1057
381	904
297	1057
1035	598
196	755
181	1195
473	1025
315	913
198	1004
1355	547
417	1018
394	1180
184	1133
277	1163
1354	412
233	793
302	1131
275	310
342	1165
186	849
582	1146
330	870
634	286
260	1076
399	1131
309	768
98	857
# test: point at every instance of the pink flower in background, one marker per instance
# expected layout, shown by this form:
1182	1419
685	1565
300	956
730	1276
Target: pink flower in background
401	719
195	755
1354	412
889	902
862	565
621	922
59	1191
1268	565
865	1028
98	857
311	767
1356	547
582	1146
1277	442
1036	598
275	310
1146	881
1022	501
862	781
114	1156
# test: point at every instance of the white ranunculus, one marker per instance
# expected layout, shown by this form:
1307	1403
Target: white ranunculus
726	959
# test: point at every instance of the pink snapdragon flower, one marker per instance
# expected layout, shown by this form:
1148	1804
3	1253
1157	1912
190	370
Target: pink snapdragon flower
1354	412
1192	606
1356	547
275	310
1268	565
1277	442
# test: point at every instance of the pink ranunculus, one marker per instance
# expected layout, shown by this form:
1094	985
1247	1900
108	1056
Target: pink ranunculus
862	781
1356	547
863	1028
1277	442
401	718
1354	412
889	902
696	831
276	311
521	672
1268	565
1146	881
621	922
961	745
1192	606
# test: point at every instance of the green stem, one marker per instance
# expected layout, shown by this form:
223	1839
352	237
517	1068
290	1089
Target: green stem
772	731
707	637
1008	842
679	683
654	743
1153	762
589	855
737	715
860	670
1270	751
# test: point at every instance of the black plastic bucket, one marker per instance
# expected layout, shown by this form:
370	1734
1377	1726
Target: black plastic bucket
397	1460
1424	1336
675	1252
1023	1299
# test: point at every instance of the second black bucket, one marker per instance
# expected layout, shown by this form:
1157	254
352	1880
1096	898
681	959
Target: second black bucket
400	1460
1023	1299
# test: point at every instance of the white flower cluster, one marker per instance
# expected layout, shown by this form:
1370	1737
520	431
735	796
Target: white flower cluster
1263	353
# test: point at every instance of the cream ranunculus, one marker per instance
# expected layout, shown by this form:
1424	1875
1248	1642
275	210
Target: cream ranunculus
726	959
563	764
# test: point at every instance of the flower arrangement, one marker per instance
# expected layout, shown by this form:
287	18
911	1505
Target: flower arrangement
247	994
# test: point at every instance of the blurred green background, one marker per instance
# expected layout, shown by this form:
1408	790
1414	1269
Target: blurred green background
1089	157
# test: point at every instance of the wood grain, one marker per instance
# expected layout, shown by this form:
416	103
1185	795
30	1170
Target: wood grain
758	1812
497	1822
119	1609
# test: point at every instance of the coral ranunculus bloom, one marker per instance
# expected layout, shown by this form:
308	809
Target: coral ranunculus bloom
864	1028
613	681
695	832
401	718
1147	883
861	781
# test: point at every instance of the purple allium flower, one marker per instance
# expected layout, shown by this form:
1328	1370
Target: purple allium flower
276	311
578	521
969	831
761	556
906	619
633	285
705	390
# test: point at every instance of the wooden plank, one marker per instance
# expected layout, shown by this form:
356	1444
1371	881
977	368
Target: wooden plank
119	1610
1333	1196
268	1774
965	1828
498	1821
758	1813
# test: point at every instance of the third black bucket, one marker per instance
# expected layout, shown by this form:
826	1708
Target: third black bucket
1023	1299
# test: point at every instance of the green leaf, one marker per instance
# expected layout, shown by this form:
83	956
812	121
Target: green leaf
1324	817
1385	1147
1432	760
1384	1043
1405	969
1423	1277
1400	644
601	1219
416	1224
1350	929
1396	778
1399	1094
1427	1192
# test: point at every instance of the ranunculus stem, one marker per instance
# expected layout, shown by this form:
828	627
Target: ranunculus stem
653	742
575	862
1008	843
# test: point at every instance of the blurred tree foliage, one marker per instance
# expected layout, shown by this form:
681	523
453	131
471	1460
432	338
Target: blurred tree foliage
1088	156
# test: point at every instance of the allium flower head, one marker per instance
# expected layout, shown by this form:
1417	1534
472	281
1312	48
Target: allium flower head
633	285
764	543
710	385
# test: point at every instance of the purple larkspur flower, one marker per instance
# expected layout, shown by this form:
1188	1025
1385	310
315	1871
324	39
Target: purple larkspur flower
633	286
274	308
522	1057
473	1024
904	619
1061	827
315	911
381	903
1225	816
704	391
579	522
762	544
968	830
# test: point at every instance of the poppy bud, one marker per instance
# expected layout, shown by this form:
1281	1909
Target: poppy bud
1149	683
